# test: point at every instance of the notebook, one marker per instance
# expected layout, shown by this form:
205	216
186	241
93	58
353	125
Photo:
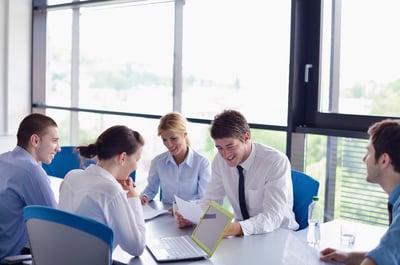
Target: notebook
201	244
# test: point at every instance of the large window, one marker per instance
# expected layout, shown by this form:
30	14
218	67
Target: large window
236	55
337	163
124	54
358	85
91	65
311	76
112	60
360	57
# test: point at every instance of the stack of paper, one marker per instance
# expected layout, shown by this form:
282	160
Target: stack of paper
150	213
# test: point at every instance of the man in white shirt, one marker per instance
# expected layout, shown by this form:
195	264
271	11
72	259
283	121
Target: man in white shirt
268	188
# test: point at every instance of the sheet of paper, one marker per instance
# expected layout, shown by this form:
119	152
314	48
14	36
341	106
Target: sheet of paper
150	213
189	210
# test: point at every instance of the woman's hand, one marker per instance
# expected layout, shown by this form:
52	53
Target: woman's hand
129	185
144	200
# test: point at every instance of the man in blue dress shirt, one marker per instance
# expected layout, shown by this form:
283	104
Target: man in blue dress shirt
23	181
383	167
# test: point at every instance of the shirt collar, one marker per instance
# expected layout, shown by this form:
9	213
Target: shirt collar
22	151
101	172
249	161
394	195
188	160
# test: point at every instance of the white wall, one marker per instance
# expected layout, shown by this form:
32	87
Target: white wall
7	143
15	64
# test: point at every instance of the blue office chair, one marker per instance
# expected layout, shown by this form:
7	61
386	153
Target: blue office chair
304	188
63	238
64	161
68	159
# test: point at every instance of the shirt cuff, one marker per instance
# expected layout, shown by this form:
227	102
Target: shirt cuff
247	227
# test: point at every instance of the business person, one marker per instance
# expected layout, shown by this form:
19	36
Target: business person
268	194
382	161
181	170
23	181
105	192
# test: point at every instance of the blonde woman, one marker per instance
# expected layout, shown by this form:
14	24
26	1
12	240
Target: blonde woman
179	171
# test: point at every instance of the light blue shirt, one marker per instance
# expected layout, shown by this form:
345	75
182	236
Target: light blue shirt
388	250
188	181
22	182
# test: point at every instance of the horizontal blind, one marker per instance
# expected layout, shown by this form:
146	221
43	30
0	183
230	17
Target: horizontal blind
357	199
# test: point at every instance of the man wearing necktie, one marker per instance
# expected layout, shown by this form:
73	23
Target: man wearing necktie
383	167
254	177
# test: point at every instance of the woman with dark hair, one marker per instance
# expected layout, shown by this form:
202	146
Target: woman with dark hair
105	192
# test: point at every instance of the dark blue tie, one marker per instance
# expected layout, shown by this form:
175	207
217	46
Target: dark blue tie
242	200
390	207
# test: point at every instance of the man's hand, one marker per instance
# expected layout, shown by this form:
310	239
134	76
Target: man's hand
348	258
182	222
234	229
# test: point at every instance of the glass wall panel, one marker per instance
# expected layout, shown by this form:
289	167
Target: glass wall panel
274	139
93	124
120	57
236	55
360	55
358	199
124	56
350	195
58	67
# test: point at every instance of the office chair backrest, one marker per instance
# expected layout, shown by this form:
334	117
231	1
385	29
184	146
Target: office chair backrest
304	188
63	238
67	159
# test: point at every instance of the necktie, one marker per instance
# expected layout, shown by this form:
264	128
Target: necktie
242	201
390	206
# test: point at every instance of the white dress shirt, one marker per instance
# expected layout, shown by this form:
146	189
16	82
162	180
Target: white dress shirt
95	193
268	190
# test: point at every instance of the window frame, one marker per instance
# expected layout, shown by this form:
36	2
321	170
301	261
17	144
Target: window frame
306	117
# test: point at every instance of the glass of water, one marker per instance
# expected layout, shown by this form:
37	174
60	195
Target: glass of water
347	234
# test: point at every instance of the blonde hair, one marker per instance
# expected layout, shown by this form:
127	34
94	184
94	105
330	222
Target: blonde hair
174	122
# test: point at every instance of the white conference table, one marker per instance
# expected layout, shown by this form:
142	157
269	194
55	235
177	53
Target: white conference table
279	247
366	236
257	249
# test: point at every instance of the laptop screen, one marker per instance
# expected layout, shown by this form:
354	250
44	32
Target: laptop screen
208	233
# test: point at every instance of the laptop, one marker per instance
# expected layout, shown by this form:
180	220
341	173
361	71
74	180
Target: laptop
201	244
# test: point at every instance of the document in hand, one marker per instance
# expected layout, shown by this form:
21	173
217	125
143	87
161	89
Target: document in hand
189	210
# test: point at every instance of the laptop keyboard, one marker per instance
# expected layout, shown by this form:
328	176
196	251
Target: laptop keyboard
181	246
